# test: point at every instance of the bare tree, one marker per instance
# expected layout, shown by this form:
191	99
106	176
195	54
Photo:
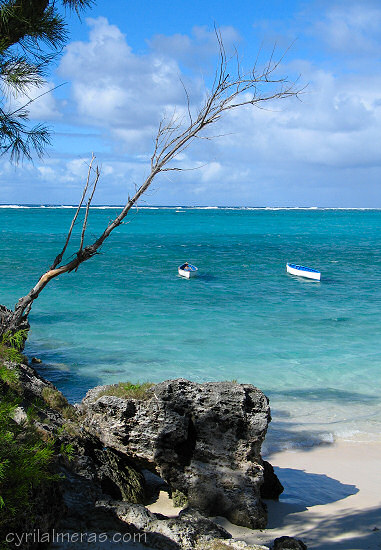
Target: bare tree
230	90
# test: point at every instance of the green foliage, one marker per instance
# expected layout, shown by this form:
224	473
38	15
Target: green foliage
35	410
26	452
8	376
24	463
60	430
15	340
67	449
10	354
31	413
11	346
69	428
32	34
25	458
128	390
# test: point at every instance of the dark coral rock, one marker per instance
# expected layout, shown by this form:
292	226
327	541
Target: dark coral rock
202	439
289	543
271	487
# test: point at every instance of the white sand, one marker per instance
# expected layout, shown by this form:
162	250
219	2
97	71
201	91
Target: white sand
332	498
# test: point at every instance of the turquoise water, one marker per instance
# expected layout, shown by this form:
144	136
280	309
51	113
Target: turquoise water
313	348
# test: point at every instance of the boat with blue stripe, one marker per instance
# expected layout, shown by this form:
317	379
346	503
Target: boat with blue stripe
303	271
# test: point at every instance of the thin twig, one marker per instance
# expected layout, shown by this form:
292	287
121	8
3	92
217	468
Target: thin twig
229	91
35	99
84	225
58	258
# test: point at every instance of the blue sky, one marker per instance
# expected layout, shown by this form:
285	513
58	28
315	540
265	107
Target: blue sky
121	71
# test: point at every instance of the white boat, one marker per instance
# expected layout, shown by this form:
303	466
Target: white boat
187	270
303	271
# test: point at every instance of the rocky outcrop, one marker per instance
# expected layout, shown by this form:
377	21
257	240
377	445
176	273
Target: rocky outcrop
87	456
204	440
46	504
272	487
288	543
189	531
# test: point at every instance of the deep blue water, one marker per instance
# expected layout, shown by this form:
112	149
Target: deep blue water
313	348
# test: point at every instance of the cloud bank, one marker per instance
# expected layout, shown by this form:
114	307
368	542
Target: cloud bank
322	150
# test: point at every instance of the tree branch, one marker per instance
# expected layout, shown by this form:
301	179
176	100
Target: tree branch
231	89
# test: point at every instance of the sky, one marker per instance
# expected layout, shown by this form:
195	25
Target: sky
125	67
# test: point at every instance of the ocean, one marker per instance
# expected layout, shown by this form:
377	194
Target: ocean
312	347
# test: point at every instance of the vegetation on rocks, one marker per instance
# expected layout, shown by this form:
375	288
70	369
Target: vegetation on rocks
54	398
128	390
25	458
31	444
179	499
11	346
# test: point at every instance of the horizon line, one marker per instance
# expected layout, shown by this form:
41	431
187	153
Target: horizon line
183	206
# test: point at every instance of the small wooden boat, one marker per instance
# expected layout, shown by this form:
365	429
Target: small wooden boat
303	271
187	270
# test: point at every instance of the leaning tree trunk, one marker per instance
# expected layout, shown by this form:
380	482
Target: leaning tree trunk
230	90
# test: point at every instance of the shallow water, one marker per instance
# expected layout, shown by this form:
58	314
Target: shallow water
312	347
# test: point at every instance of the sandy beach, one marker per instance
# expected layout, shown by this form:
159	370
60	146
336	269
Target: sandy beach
332	498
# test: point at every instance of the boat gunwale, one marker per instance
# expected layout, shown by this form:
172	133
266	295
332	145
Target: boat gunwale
193	268
303	268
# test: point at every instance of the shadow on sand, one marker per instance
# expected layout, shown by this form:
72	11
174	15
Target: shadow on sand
348	529
303	490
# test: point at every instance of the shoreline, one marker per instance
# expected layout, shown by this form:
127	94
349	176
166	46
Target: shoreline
331	499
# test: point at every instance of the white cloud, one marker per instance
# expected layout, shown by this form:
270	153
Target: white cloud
212	172
46	107
60	181
351	27
198	49
57	172
337	124
295	153
125	94
40	102
116	89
